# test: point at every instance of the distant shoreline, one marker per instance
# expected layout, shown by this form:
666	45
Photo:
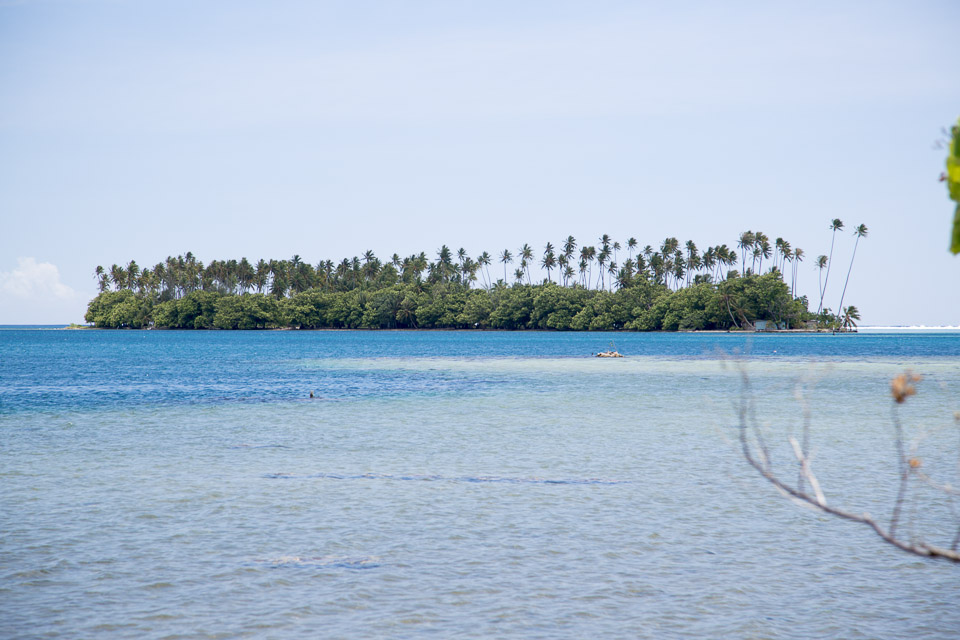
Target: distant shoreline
886	329
861	329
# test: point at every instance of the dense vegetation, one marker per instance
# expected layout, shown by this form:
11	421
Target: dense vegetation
670	289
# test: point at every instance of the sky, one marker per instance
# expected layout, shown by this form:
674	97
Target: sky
135	130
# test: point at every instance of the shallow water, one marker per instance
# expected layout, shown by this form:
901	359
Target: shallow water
456	484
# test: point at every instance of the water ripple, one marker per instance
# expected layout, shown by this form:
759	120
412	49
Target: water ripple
321	562
440	478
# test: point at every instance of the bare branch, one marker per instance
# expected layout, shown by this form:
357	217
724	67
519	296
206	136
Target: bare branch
760	461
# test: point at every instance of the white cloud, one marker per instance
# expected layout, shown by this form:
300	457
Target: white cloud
37	281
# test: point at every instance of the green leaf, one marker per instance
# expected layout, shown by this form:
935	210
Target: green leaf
955	243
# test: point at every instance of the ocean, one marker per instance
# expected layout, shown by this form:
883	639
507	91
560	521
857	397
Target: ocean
464	485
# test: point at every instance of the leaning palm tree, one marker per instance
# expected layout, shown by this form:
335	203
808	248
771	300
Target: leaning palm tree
835	225
849	317
859	232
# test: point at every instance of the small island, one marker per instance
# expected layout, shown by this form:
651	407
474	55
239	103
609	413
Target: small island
607	287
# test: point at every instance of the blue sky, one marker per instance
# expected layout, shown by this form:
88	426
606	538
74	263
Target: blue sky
138	130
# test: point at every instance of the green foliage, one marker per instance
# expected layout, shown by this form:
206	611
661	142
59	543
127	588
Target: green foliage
118	310
953	184
640	306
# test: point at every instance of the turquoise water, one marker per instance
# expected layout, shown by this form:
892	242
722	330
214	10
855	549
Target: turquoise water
458	484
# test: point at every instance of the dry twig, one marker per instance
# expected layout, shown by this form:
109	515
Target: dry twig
758	456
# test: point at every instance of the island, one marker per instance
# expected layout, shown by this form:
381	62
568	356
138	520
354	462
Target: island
606	287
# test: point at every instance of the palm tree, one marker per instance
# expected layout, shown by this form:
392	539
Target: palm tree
549	260
612	270
118	276
586	263
761	249
835	225
582	265
261	274
678	267
102	280
484	261
444	265
859	232
850	315
526	255
821	264
602	258
693	259
505	257
133	272
658	267
745	243
797	259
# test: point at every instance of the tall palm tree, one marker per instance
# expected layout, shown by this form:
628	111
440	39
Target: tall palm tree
505	257
692	260
658	267
102	280
859	232
631	245
569	247
835	225
483	260
549	260
118	276
678	268
745	244
761	242
820	264
795	262
261	275
526	255
601	259
444	263
586	263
